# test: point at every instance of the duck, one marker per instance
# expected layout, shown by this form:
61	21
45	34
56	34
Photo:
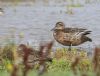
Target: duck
69	36
1	11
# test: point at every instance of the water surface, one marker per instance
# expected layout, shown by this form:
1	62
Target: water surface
36	22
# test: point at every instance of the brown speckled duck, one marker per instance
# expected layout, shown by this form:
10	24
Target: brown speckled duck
70	36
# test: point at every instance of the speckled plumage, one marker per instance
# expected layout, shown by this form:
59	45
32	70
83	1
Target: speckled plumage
70	36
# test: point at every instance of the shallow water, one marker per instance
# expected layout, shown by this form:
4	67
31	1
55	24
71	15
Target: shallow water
36	22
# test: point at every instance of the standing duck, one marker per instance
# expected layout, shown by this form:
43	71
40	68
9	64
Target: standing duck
70	36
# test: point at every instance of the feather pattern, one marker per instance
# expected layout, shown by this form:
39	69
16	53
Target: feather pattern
70	36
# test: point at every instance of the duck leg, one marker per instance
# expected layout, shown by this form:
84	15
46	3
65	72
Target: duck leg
69	49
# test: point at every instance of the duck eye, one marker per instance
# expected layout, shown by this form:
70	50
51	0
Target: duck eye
60	24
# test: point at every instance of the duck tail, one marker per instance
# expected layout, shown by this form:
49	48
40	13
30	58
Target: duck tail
87	32
89	39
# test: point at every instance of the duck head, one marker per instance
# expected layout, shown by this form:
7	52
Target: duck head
59	26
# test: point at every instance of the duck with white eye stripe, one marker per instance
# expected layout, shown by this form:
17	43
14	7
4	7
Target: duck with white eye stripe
68	36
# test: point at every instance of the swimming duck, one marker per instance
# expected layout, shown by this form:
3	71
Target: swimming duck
70	36
1	11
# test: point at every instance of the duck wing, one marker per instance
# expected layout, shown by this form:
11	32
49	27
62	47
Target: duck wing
72	30
71	36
